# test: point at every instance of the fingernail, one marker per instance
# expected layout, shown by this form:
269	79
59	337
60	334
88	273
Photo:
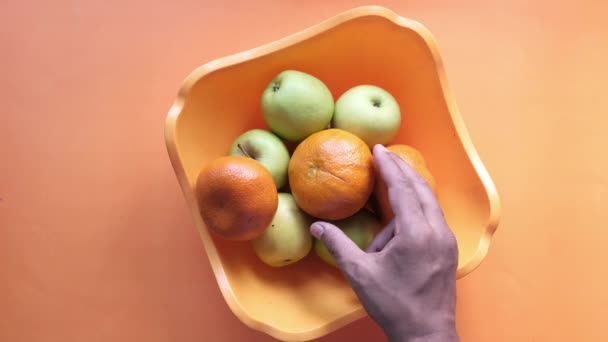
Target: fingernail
316	230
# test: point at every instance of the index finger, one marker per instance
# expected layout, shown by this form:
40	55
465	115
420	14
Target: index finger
428	201
402	194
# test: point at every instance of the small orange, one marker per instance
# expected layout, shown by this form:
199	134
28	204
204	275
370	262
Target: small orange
331	174
416	160
237	197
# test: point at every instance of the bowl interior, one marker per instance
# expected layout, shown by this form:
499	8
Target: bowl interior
224	102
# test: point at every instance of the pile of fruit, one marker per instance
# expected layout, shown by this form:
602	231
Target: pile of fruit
260	192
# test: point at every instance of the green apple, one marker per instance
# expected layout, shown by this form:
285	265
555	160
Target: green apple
360	228
296	105
288	237
267	149
370	113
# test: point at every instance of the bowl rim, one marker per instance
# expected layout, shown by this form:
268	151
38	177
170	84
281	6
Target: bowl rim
282	43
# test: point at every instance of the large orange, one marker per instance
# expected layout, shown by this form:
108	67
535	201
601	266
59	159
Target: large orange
331	174
416	160
237	197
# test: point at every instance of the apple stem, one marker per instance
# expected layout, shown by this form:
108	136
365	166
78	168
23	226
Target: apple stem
243	150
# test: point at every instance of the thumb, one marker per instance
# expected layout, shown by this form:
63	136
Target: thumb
341	247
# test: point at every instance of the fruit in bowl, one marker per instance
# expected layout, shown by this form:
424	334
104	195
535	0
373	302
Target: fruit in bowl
369	112
331	174
296	105
287	238
267	149
237	197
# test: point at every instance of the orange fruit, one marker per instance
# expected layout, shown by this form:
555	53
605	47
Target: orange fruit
416	160
237	197
331	174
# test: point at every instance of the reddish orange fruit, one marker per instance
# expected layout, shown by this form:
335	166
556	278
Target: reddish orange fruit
237	197
416	160
331	174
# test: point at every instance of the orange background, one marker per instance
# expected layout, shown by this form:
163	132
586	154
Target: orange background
96	242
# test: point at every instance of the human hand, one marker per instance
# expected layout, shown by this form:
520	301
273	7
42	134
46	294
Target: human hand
406	279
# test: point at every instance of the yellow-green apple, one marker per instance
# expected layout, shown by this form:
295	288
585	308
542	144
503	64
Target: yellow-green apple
369	112
296	105
288	238
267	149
